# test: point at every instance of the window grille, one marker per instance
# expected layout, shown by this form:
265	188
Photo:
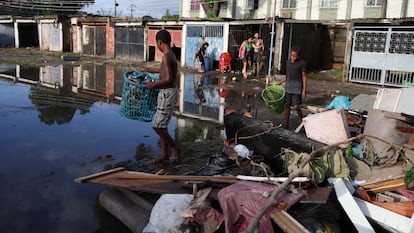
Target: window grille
289	4
214	31
195	5
329	3
374	2
252	4
370	42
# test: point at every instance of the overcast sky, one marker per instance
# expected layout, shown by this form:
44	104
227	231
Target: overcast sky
154	8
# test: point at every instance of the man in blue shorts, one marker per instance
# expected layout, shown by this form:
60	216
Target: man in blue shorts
167	97
296	83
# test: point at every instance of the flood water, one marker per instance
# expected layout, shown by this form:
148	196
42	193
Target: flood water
59	123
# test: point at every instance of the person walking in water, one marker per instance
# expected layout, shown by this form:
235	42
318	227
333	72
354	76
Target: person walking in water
296	84
245	54
167	97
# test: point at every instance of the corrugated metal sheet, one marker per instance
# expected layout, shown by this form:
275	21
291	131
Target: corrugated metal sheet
94	40
129	42
51	37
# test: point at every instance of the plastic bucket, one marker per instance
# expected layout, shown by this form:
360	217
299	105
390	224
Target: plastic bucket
206	64
274	98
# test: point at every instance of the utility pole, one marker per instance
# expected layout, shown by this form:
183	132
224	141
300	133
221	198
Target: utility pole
115	5
272	36
131	8
384	9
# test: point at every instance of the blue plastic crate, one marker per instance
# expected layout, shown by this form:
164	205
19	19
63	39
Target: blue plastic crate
138	102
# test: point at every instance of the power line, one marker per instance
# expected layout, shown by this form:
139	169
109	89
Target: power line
131	8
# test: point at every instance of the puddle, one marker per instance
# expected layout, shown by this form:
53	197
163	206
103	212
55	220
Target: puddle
63	122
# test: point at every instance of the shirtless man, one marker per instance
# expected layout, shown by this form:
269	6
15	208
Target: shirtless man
258	48
167	97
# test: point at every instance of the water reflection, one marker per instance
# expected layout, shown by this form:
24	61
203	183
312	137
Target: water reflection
77	87
199	97
63	122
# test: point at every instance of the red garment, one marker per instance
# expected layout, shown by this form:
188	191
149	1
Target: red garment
241	201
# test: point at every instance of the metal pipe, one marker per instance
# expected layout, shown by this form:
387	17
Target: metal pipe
272	35
115	4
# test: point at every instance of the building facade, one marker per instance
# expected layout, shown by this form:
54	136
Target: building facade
303	9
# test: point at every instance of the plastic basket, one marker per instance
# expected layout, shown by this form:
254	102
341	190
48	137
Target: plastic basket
138	102
274	97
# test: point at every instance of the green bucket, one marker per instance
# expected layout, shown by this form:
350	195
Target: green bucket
274	97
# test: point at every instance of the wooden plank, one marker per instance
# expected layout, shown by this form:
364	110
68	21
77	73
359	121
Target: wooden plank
409	130
405	129
384	173
286	222
272	179
156	184
147	176
198	201
99	174
387	185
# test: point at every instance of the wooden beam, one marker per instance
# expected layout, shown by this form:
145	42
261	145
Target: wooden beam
286	222
148	176
198	201
95	175
387	185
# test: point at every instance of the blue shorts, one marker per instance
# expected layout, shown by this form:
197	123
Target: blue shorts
165	106
257	57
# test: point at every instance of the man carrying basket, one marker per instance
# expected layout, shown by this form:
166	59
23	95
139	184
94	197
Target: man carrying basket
167	97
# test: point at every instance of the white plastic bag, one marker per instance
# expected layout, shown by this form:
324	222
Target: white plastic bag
166	213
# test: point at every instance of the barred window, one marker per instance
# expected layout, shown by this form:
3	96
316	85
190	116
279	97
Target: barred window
329	3
194	31
289	4
195	5
214	31
374	2
252	4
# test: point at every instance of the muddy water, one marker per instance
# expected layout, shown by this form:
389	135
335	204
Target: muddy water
59	123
